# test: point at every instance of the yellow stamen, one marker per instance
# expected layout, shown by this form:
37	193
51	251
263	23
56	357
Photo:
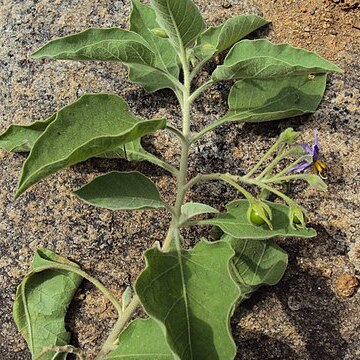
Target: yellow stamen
318	167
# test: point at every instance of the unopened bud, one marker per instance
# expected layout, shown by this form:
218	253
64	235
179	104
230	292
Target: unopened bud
289	136
316	182
126	298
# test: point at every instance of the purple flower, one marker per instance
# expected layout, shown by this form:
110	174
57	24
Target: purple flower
315	164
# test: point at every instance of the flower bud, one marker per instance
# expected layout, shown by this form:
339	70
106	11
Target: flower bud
259	213
316	182
126	298
289	136
160	32
297	151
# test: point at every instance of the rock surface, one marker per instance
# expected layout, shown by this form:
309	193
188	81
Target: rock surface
301	318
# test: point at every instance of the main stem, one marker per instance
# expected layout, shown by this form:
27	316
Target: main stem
173	233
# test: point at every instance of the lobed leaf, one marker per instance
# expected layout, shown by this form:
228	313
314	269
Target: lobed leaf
93	125
121	191
142	21
180	19
192	209
113	44
142	339
260	59
227	34
256	263
41	304
235	223
274	99
192	293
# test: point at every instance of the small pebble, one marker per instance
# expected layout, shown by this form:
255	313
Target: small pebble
345	285
294	303
226	4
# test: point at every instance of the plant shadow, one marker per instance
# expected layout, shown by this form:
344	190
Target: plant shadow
309	315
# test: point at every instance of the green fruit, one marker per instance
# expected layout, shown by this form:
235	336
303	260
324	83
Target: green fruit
256	219
296	220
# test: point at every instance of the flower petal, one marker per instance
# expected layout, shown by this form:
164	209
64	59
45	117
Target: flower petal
302	166
308	149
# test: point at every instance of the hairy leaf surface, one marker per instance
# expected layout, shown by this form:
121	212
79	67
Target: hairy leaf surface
121	191
41	303
93	125
235	223
142	339
192	293
142	21
227	34
99	44
256	100
260	59
181	20
256	263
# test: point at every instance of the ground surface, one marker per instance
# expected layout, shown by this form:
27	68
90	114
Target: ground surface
305	316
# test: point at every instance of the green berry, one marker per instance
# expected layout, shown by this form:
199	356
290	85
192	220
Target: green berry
296	220
256	219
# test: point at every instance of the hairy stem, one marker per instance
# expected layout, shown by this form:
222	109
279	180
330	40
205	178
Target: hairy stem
110	343
264	158
173	232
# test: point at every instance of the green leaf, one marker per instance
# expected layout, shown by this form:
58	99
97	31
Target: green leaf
235	223
121	191
93	125
260	59
41	303
274	99
142	339
192	209
256	263
192	293
181	20
21	138
143	21
227	34
99	44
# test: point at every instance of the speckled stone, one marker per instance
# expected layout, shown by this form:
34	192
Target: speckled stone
301	318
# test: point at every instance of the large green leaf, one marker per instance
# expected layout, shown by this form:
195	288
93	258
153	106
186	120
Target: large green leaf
142	339
181	20
99	44
89	127
260	59
41	303
21	138
121	191
219	38
235	223
256	263
192	293
142	21
258	100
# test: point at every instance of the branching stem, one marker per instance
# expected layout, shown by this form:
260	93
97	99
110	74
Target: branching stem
185	99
